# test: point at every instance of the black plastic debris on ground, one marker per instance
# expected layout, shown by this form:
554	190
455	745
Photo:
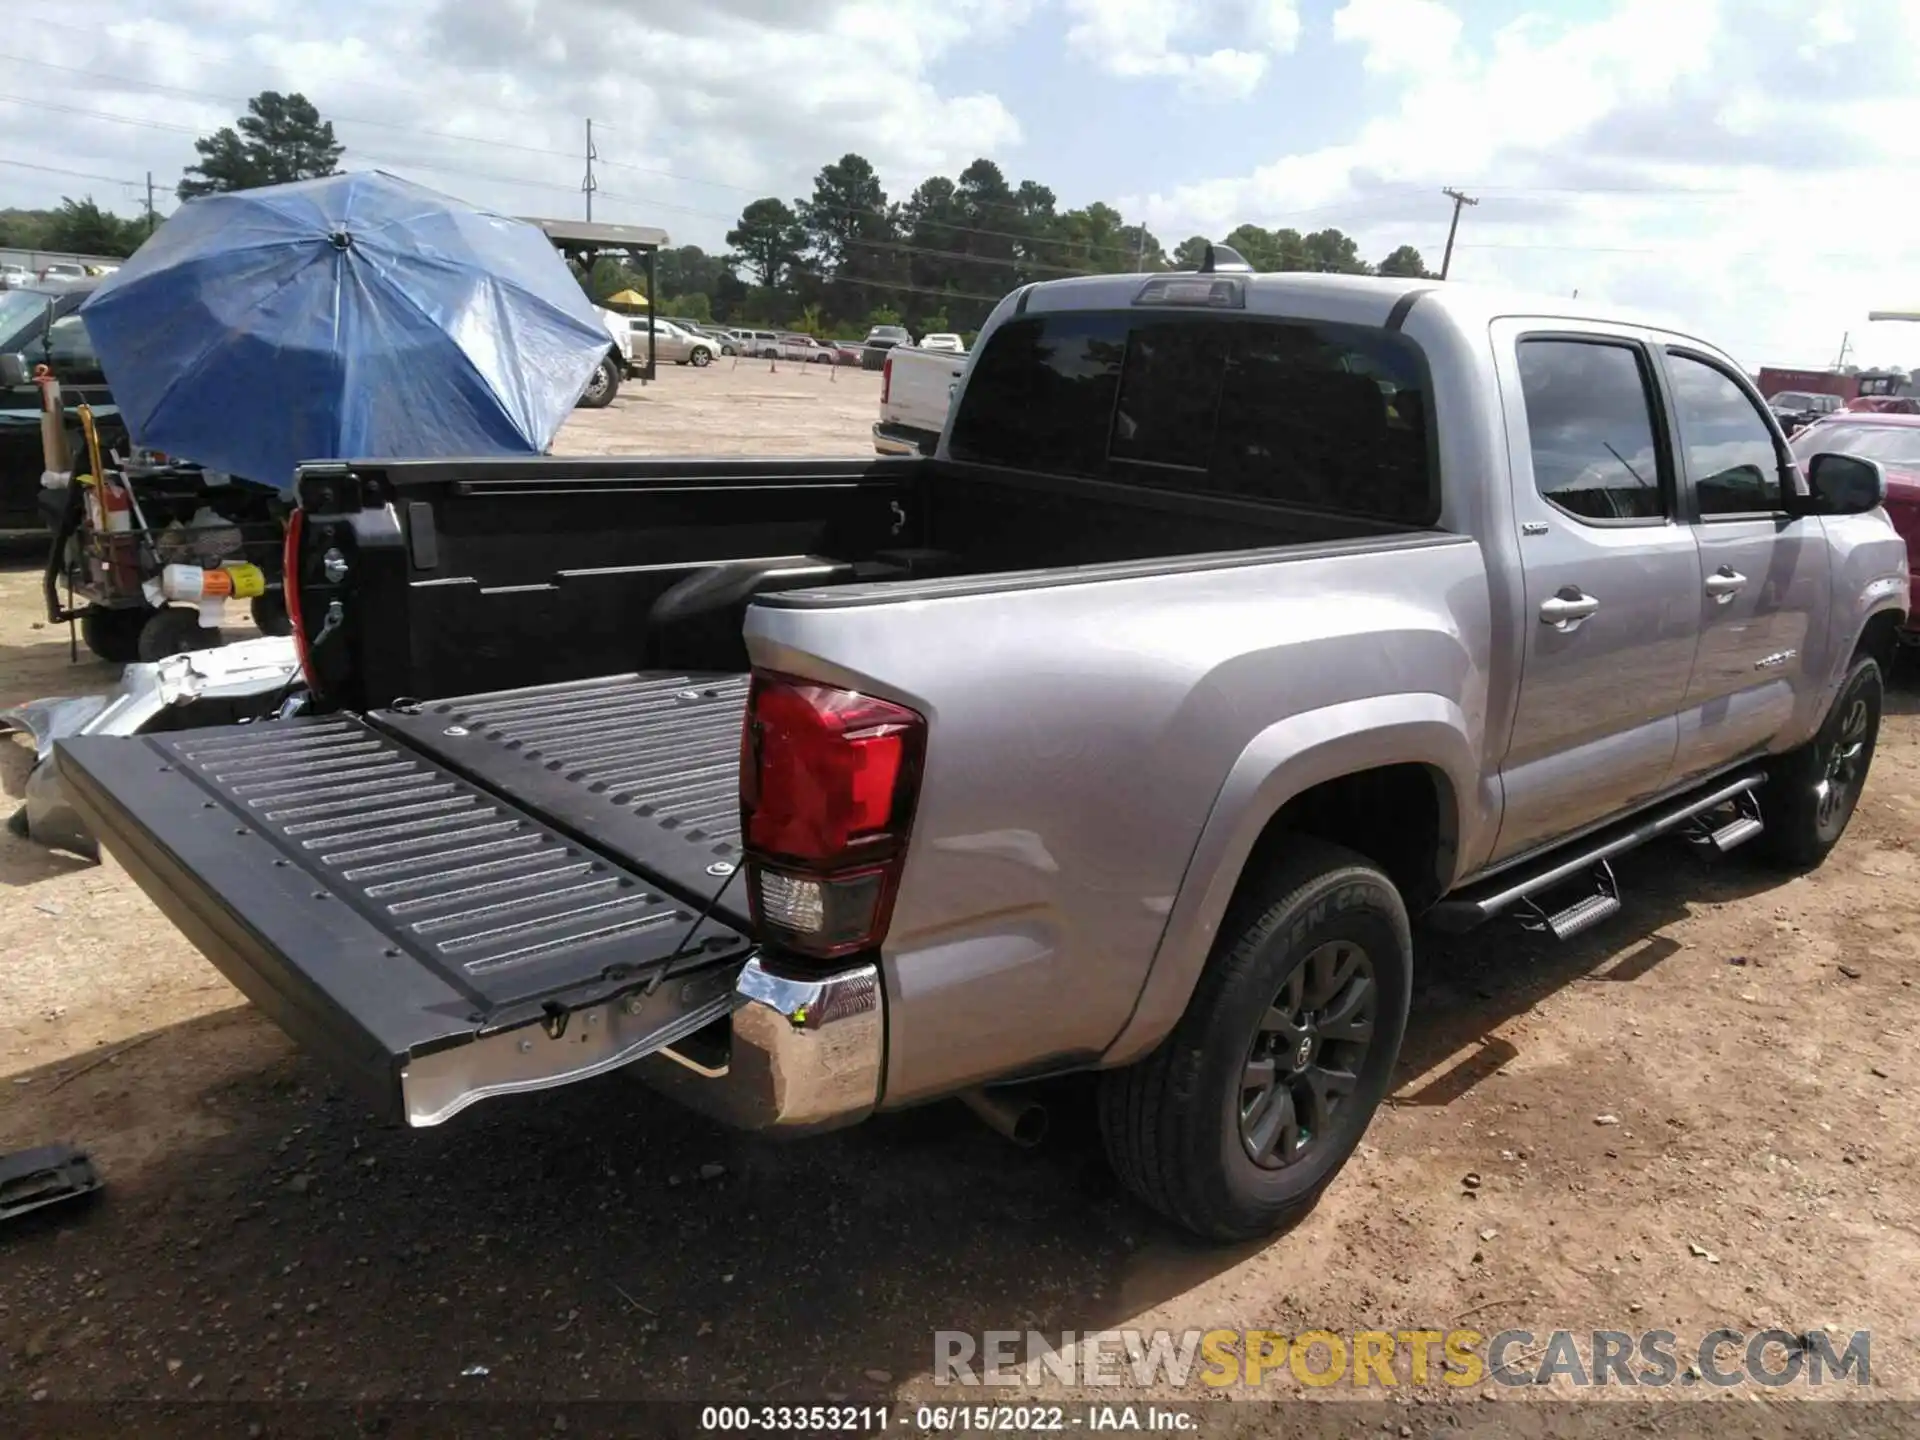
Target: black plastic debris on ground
45	1175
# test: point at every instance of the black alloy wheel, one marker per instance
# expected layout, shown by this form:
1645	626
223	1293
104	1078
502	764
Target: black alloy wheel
1307	1054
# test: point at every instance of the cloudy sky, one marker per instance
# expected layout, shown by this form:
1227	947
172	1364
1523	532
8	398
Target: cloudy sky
1747	167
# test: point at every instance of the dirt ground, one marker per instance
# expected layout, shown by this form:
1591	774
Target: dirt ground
1694	1116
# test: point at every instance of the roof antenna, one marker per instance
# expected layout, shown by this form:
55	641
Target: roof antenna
1223	259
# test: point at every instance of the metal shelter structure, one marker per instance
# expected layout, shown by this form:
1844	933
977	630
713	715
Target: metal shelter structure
587	241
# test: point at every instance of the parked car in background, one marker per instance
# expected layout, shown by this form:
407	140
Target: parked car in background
63	270
42	326
882	338
806	349
944	340
761	344
727	342
1237	621
916	390
14	276
1893	439
847	352
670	342
1794	408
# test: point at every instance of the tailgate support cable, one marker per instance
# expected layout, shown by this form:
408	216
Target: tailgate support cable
693	929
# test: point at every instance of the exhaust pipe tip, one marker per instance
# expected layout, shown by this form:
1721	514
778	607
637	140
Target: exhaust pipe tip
1014	1114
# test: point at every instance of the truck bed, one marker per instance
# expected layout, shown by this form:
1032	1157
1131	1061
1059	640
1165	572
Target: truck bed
644	767
429	897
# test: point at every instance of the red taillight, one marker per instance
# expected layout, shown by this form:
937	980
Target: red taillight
886	379
828	778
290	589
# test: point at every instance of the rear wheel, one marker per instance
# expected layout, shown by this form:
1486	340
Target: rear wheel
113	635
174	630
1813	791
604	385
1247	1111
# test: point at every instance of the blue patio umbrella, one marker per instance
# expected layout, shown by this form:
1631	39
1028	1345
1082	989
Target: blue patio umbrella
356	316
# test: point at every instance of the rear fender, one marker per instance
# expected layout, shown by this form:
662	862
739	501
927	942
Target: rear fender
1283	761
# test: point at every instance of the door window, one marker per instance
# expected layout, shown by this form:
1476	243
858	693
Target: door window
1590	423
1729	447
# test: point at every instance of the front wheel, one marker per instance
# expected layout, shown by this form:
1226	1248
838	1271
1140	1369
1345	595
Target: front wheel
604	385
701	359
1246	1112
1812	792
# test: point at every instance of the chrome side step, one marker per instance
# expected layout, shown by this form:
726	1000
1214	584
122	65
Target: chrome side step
1600	903
1518	886
1745	824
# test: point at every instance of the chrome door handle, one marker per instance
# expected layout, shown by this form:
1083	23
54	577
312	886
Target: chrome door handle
1725	583
1567	608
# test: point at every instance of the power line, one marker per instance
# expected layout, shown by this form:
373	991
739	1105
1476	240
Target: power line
71	174
878	212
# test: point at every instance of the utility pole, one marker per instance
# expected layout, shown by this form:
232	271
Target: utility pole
1846	344
589	185
1458	199
149	202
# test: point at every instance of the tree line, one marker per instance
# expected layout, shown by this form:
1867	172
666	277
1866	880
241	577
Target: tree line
842	258
847	256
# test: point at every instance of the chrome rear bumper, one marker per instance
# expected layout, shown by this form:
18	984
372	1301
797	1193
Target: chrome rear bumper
802	1054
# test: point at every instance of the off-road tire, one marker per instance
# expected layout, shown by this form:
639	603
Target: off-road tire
113	635
1172	1123
1803	820
173	630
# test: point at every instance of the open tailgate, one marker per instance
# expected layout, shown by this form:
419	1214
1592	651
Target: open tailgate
430	941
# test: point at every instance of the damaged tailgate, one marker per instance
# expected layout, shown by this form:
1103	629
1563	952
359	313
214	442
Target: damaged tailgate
430	941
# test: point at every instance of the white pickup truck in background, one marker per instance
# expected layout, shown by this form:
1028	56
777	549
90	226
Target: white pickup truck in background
916	388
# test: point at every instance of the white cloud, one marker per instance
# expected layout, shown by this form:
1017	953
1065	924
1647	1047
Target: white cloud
1743	167
1399	36
487	98
1135	39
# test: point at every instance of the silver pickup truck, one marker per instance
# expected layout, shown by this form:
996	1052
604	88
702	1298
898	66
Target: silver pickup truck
1238	622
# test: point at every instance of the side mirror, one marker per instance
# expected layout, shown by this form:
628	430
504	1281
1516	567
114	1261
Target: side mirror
1845	484
14	371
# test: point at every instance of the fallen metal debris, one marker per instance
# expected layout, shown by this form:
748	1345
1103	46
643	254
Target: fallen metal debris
200	687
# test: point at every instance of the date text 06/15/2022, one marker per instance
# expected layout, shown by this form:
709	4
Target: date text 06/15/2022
948	1419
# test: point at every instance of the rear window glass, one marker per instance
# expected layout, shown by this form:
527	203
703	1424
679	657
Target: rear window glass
1328	416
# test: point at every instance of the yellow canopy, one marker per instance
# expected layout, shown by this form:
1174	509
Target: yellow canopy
628	297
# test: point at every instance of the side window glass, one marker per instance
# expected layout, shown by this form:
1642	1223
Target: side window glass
1591	425
1729	449
69	348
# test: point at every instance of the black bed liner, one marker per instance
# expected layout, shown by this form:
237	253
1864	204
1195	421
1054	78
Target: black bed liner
642	766
385	893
